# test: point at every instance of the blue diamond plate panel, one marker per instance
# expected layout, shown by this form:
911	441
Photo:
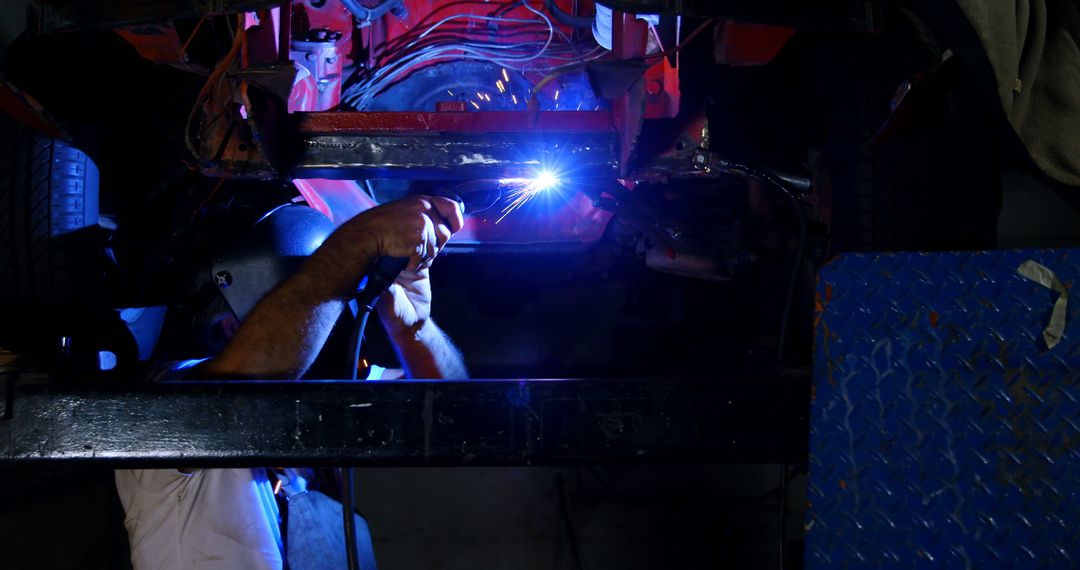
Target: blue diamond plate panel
944	431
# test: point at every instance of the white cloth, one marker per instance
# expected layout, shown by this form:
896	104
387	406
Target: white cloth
208	519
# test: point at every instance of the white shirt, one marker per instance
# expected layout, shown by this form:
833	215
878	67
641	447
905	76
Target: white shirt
206	519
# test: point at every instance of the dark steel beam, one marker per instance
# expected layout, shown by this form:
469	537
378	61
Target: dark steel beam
438	156
501	422
455	122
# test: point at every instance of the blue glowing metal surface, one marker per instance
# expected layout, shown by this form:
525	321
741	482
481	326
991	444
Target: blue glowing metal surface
944	432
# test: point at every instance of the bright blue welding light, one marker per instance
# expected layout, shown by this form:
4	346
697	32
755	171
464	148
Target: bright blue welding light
545	180
517	192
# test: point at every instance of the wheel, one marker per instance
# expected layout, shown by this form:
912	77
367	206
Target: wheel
48	209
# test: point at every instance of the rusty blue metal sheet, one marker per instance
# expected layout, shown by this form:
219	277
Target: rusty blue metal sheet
944	431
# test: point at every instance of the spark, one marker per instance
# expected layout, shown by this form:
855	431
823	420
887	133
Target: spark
506	77
556	94
514	97
479	95
451	93
475	105
487	97
523	190
499	84
545	179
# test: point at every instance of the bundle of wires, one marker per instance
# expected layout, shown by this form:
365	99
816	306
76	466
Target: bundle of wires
213	83
453	38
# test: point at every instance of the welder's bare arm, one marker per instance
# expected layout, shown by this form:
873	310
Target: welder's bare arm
422	347
429	354
287	329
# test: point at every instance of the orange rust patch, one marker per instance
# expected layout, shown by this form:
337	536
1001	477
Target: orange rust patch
933	319
819	309
843	484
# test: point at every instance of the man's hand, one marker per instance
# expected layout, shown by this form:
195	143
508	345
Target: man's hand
288	327
424	350
406	306
417	227
405	309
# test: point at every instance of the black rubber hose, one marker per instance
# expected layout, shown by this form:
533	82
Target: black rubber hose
571	20
363	14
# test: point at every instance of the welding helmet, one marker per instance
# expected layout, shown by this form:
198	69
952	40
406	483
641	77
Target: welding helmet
267	254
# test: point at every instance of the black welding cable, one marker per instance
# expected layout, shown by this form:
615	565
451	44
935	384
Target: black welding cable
356	339
345	474
382	273
348	520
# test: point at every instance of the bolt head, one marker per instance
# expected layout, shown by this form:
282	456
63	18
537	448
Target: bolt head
222	279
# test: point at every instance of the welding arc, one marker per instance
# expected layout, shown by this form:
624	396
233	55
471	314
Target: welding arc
522	191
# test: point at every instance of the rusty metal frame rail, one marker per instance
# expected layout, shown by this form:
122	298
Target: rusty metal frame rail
452	145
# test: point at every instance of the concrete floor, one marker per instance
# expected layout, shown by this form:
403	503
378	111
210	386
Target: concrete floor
622	517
